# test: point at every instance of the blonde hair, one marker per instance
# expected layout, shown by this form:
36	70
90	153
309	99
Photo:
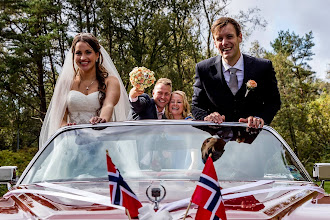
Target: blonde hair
186	106
165	81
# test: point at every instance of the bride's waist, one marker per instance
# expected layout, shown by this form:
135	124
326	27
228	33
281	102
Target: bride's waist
82	112
81	117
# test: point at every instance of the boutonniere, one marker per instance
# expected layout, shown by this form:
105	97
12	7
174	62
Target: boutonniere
250	85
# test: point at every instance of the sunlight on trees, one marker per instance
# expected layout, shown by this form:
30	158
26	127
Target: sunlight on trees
303	120
168	37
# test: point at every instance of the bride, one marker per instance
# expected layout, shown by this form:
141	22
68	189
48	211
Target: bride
88	90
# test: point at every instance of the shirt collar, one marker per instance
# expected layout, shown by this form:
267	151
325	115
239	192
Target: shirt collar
161	111
238	65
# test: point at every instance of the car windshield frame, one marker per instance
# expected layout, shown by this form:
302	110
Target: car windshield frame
176	138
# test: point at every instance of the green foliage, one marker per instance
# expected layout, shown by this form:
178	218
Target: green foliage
3	190
29	30
21	158
327	187
168	37
164	36
294	46
303	119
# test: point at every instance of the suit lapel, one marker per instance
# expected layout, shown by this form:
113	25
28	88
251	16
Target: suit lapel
217	74
154	112
216	70
248	68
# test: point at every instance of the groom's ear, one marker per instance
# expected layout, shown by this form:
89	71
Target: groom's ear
240	37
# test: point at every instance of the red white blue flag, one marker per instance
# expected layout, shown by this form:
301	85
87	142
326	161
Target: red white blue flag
207	195
121	194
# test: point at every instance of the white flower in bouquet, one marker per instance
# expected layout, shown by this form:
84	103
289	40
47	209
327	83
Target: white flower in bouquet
142	78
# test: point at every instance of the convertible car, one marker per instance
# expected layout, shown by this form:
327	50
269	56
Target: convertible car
259	175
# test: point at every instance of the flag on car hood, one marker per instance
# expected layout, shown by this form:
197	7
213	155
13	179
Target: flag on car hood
121	194
207	195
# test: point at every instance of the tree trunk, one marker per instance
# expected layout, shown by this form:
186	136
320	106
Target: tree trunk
41	87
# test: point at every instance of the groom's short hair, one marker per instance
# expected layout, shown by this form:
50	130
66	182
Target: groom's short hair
165	81
223	21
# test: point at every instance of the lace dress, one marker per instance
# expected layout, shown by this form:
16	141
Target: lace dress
82	107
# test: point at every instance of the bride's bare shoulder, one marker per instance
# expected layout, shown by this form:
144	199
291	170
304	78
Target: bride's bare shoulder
75	83
112	80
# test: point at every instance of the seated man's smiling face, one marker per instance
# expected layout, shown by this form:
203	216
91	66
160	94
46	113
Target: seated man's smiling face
161	95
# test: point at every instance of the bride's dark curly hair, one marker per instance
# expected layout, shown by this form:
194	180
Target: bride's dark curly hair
101	72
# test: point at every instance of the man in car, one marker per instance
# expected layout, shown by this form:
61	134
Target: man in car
145	107
234	86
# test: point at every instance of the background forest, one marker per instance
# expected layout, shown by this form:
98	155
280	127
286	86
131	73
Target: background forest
166	36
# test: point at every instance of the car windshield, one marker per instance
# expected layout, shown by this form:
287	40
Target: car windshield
163	152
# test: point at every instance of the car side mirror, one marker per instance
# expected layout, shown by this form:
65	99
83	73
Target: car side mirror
8	175
321	172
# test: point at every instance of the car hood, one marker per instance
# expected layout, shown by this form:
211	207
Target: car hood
277	200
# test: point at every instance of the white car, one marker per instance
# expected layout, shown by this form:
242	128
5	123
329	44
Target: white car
259	175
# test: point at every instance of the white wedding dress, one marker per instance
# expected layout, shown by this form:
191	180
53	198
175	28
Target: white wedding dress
81	107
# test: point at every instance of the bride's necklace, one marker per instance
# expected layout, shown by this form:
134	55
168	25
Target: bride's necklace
87	87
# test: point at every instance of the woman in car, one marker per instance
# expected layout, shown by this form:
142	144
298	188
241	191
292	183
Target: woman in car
178	107
88	90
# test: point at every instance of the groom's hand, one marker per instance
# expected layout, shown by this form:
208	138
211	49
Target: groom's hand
135	92
215	117
253	122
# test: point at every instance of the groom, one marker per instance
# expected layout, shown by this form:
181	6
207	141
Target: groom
221	88
145	107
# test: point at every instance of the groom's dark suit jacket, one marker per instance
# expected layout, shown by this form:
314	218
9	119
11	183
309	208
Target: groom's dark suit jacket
212	94
144	108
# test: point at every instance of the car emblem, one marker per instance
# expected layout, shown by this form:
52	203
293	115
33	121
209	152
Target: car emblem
156	193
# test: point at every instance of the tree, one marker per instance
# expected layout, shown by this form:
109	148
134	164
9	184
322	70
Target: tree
210	10
135	34
183	45
256	50
163	35
28	33
301	120
155	34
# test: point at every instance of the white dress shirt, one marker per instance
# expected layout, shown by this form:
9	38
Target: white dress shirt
160	114
239	65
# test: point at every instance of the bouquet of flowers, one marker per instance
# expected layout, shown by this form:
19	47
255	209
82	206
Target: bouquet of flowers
142	78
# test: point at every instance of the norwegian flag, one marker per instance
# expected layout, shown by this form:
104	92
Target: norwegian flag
207	195
120	192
